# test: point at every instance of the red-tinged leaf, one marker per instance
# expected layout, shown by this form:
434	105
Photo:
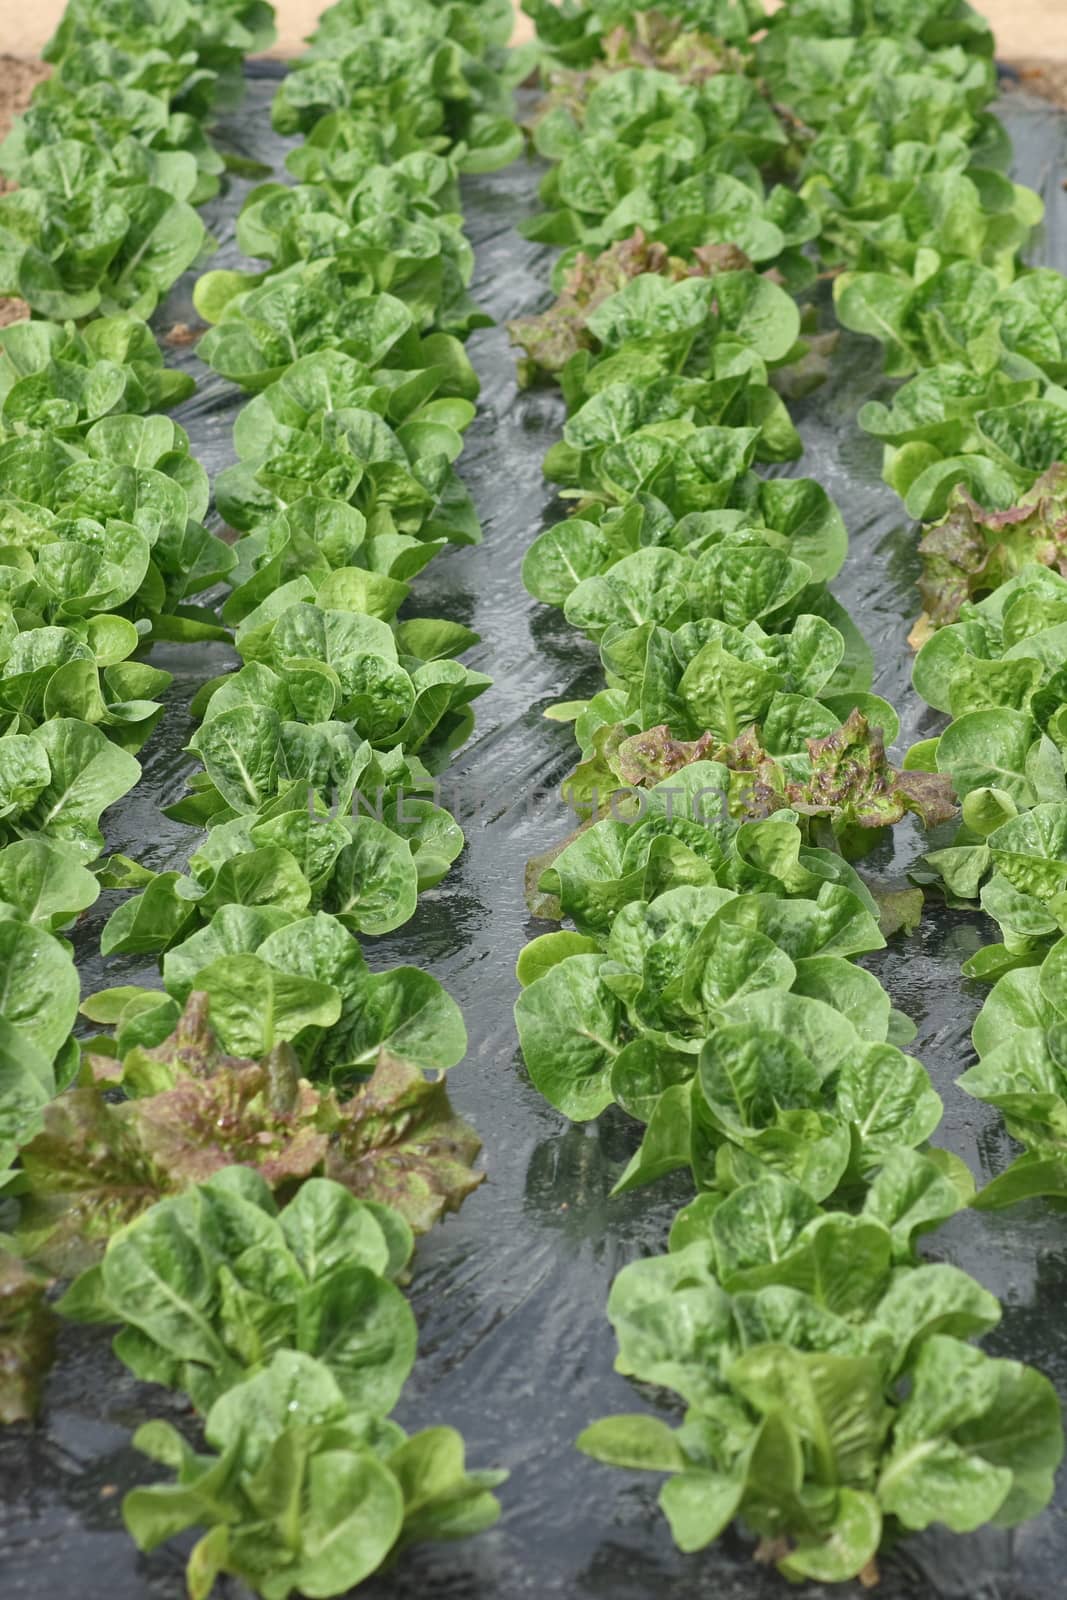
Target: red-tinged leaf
553	337
647	758
98	1163
88	1174
238	1118
972	551
400	1142
27	1330
667	44
658	42
853	782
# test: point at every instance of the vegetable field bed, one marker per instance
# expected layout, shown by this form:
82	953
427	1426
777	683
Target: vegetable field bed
510	1295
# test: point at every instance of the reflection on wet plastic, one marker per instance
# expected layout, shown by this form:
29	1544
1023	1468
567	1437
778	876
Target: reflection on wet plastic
515	1349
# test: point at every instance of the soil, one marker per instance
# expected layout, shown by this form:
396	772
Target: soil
1046	78
18	79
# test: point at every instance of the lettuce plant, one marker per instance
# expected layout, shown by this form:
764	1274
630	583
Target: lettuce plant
972	551
396	225
111	523
831	1399
361	870
302	1493
704	1013
190	1109
274	974
702	945
997	670
216	34
400	480
261	329
846	779
86	235
552	337
239	1280
646	152
1018	1037
933	24
450	62
135	126
55	379
585	35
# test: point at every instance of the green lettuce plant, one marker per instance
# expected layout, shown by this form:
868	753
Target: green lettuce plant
54	378
300	1492
261	329
208	1284
831	1398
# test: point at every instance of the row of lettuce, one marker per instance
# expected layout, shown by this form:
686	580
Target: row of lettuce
733	765
234	1172
975	443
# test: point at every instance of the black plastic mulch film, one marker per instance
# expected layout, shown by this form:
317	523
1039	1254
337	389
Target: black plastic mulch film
515	1348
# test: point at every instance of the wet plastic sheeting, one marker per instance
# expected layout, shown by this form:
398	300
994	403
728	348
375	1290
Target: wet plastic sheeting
515	1349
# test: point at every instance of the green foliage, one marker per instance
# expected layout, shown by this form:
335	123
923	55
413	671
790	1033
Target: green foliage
209	1284
826	1391
173	1140
709	985
190	1109
55	379
705	977
301	1491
